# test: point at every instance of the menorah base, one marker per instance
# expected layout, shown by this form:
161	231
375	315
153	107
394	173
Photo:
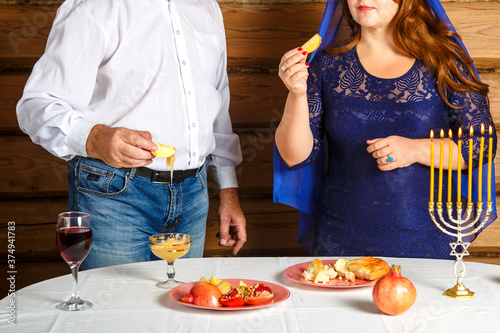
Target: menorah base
459	291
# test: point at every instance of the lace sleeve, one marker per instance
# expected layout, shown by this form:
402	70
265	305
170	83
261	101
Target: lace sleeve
475	111
315	103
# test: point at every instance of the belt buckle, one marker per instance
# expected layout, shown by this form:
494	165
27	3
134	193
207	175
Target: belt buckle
157	178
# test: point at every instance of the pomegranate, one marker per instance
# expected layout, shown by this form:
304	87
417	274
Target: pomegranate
394	294
204	294
233	298
259	293
188	298
244	289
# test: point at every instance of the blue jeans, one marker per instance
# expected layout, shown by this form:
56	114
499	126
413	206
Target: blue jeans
125	209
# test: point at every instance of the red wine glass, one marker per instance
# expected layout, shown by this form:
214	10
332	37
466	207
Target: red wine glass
74	240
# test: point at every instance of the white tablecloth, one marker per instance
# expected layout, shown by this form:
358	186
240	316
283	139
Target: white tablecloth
126	300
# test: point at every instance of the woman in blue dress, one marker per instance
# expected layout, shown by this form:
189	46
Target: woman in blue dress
375	97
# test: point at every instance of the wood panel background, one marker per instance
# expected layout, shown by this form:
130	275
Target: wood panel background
33	185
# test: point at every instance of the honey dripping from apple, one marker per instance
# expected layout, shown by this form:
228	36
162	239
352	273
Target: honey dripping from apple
170	164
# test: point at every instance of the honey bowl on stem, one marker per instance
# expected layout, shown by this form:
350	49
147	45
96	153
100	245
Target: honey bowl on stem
169	246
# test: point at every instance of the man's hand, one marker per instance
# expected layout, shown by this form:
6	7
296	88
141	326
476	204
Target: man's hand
120	147
232	222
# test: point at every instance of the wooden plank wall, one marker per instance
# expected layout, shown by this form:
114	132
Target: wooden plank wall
33	182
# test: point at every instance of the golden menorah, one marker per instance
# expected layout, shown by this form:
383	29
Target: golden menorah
465	223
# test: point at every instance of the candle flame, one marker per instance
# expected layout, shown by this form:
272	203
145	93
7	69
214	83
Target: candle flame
450	134
460	132
432	134
471	130
441	134
490	130
482	129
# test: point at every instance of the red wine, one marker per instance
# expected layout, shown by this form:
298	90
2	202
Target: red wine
74	243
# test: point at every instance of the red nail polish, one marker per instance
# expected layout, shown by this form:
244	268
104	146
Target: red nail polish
367	150
299	49
378	166
304	53
307	64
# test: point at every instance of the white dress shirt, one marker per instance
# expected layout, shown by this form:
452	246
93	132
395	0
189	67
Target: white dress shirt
149	65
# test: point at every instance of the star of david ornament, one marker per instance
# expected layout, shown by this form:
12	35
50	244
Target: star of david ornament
463	245
464	225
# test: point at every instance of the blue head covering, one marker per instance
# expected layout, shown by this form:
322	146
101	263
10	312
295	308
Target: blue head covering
300	188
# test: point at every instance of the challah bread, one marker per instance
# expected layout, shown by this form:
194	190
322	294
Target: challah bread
341	268
368	268
319	273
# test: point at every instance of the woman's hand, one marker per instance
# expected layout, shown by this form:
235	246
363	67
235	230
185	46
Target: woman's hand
396	152
293	71
293	136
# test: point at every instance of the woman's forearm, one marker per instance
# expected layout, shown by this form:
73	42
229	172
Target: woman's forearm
425	153
294	138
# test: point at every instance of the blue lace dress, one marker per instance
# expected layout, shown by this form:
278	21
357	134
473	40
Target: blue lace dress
362	210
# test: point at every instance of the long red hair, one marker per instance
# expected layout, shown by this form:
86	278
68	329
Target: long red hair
418	33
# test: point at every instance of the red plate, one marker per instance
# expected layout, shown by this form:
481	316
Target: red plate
280	294
294	273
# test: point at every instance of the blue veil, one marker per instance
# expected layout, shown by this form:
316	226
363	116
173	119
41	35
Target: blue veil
300	188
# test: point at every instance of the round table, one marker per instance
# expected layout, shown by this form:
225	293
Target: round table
126	300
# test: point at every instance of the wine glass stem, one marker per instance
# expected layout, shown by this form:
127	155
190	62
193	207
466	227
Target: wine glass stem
74	271
170	270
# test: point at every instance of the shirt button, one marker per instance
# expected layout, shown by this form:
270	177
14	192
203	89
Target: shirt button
184	62
194	154
193	124
178	32
189	93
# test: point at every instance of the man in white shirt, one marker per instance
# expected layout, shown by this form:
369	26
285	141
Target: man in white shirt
116	76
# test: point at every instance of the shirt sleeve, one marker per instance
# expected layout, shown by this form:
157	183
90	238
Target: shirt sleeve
51	110
227	153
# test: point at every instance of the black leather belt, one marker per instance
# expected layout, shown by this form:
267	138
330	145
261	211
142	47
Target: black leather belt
159	177
162	177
